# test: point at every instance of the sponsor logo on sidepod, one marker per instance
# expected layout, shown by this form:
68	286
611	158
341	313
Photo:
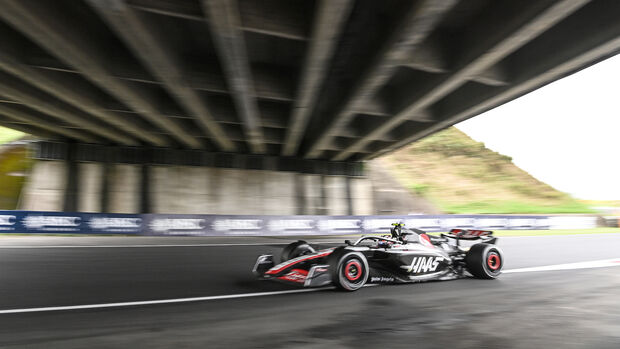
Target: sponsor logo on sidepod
423	264
381	279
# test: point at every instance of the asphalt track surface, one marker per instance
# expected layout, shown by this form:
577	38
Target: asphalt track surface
572	308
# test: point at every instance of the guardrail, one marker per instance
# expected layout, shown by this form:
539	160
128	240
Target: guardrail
34	222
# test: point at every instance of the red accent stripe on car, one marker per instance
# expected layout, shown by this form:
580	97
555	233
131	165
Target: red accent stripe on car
426	240
283	266
295	275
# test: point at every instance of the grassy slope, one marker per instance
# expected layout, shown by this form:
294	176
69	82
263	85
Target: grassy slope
461	175
14	164
7	135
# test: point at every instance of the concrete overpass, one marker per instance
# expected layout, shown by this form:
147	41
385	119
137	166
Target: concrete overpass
149	89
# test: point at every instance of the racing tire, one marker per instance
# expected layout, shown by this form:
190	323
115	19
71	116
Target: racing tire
296	249
348	269
484	261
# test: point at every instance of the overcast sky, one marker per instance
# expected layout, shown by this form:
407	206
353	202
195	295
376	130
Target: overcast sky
566	134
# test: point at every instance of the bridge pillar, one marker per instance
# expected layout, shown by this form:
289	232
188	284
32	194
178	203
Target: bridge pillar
162	181
125	188
313	195
70	201
45	188
91	180
336	195
362	196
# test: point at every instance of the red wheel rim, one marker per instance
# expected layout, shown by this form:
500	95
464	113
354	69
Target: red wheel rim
493	262
353	270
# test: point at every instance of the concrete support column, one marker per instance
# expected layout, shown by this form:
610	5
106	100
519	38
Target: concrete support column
251	190
127	188
180	189
124	188
45	189
300	195
336	195
70	203
145	197
279	193
203	190
348	196
104	191
314	202
361	196
158	188
226	190
323	203
90	187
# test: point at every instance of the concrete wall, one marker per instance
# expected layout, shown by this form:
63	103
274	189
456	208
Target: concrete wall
45	188
196	190
124	189
362	196
313	194
199	190
89	187
336	195
179	189
279	196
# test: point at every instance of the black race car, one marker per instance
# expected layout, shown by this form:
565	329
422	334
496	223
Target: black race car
405	256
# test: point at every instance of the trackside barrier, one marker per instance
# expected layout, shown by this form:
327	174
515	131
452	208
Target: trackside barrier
572	222
34	222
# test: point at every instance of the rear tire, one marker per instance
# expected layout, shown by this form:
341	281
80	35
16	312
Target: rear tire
484	261
296	249
348	269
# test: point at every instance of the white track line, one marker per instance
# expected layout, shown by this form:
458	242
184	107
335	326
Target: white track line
159	301
569	266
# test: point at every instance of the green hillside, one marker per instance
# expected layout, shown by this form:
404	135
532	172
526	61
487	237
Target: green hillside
8	135
460	175
15	164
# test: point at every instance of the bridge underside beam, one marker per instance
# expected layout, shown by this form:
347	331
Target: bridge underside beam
527	23
320	79
327	28
44	25
409	32
188	157
142	37
551	57
225	24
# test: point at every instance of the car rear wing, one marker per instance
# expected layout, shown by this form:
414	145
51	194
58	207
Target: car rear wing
471	234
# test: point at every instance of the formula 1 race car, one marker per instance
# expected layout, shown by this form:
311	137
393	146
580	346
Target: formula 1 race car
405	256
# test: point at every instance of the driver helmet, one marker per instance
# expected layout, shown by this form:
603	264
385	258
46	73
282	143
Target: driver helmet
396	230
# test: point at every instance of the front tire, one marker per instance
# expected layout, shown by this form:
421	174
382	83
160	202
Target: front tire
348	269
484	261
296	249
